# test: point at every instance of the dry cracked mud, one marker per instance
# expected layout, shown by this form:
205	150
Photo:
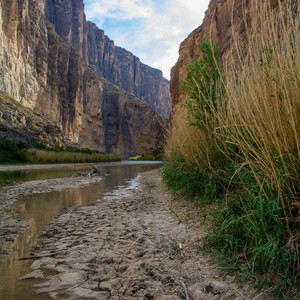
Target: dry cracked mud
131	244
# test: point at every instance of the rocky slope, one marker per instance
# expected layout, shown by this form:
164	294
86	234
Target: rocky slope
25	126
62	67
224	20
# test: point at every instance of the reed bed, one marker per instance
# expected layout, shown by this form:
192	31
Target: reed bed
56	157
248	146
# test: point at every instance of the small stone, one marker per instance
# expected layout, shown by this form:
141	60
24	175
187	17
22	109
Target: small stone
89	294
34	275
196	291
107	286
82	267
73	277
36	264
217	287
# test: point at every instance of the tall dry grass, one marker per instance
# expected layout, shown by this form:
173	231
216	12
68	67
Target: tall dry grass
263	111
56	157
187	141
253	148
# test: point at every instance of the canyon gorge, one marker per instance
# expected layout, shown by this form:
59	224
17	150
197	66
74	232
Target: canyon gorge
68	72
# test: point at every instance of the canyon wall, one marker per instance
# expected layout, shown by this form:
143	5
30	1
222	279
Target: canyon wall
62	67
224	22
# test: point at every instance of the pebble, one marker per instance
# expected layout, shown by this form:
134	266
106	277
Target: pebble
33	275
196	291
217	287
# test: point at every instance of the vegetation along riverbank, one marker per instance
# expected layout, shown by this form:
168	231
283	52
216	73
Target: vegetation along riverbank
11	152
235	146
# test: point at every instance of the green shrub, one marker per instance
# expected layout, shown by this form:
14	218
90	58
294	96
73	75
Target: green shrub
148	157
11	152
242	141
204	87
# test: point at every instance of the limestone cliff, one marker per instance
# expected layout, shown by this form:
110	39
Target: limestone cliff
59	65
223	20
122	68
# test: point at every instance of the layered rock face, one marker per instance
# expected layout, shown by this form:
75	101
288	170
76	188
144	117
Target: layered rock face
225	20
122	68
59	65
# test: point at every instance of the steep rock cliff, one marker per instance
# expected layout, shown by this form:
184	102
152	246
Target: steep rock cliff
59	65
115	64
125	70
224	20
129	123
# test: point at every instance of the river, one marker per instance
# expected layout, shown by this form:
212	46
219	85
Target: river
33	213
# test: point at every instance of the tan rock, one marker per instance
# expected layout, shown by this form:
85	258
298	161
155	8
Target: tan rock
73	277
34	275
89	294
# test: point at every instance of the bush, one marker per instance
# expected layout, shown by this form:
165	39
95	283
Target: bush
244	141
204	87
11	152
148	157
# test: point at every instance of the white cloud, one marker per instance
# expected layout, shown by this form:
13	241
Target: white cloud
150	29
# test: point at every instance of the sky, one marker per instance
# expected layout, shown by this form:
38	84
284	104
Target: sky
151	29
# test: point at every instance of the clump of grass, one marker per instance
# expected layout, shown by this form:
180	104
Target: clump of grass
263	121
37	156
12	152
196	164
147	157
247	141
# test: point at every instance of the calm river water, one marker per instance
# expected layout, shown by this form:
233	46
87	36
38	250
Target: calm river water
38	211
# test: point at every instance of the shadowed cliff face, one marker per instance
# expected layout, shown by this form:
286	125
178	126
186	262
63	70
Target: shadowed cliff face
223	20
128	124
59	65
125	70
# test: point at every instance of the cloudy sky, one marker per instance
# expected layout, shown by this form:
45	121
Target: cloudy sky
150	29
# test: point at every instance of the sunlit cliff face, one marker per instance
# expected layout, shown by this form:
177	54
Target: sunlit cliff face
57	64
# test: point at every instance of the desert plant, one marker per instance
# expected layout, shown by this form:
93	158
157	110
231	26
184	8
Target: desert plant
247	135
12	152
204	87
262	121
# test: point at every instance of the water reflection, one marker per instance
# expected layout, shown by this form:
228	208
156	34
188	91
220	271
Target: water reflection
38	211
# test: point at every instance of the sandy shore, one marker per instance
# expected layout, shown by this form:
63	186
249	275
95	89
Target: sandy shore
9	168
135	243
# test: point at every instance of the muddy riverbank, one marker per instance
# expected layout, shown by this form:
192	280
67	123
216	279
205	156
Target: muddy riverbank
134	243
19	182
